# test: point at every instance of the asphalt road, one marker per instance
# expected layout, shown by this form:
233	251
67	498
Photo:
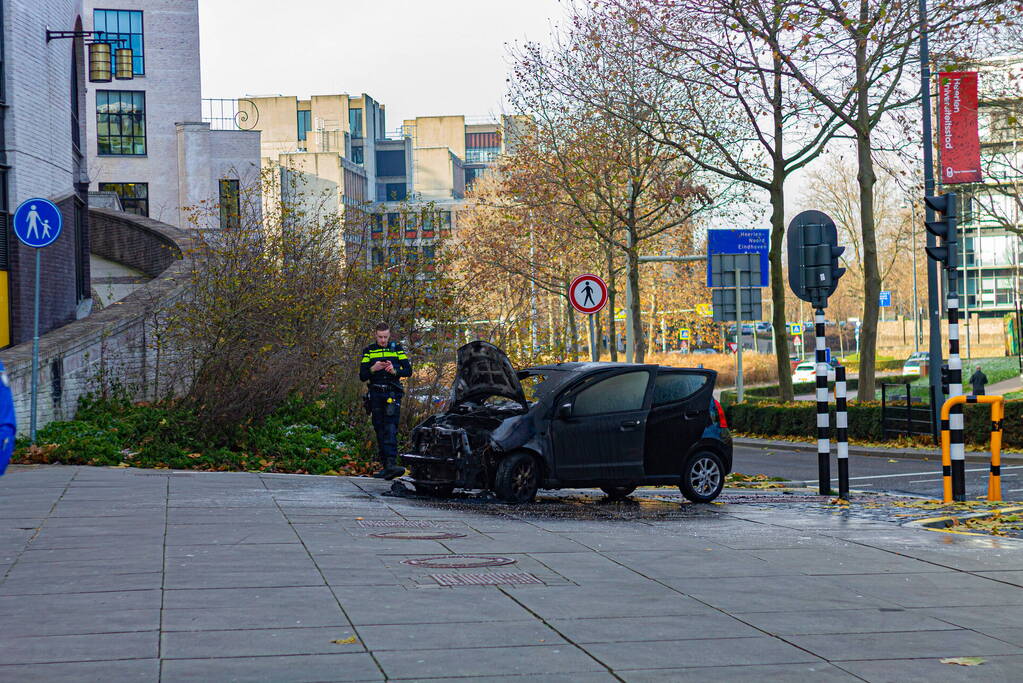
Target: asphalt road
868	473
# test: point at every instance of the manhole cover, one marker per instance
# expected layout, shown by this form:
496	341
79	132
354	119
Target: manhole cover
418	535
459	561
488	579
397	523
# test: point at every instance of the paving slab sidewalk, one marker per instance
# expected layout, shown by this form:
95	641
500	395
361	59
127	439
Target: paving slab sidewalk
115	574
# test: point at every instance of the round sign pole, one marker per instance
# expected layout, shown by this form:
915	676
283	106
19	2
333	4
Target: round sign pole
37	223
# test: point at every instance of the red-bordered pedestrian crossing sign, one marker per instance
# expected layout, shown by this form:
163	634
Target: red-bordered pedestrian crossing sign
588	294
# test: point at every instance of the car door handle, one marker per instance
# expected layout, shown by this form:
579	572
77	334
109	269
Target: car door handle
629	425
692	414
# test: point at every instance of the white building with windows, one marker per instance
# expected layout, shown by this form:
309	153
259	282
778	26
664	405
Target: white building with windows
991	220
149	144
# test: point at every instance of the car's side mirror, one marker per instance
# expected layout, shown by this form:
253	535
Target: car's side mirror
565	410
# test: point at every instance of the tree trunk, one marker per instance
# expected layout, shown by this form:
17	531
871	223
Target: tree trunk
612	342
636	309
778	321
871	273
573	334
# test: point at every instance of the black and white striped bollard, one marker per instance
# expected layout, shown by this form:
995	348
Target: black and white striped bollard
823	441
957	448
842	432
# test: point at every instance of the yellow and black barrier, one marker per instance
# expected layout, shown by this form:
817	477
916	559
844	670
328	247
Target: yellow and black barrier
955	478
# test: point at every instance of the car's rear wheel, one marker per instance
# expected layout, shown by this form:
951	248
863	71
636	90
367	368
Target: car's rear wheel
435	490
703	477
517	478
617	492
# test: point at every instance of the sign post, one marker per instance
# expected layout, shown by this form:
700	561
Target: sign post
37	223
588	294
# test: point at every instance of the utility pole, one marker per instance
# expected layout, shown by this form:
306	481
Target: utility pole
933	304
916	305
630	292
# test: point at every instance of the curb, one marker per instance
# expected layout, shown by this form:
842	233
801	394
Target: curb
870	451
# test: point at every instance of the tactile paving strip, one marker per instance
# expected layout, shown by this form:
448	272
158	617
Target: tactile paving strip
397	523
488	579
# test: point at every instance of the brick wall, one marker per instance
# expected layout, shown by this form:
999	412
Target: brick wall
114	345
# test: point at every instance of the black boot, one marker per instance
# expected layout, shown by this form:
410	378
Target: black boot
392	470
382	472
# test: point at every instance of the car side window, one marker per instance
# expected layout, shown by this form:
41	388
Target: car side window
675	386
612	395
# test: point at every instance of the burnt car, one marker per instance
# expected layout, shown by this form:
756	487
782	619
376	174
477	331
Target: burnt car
615	426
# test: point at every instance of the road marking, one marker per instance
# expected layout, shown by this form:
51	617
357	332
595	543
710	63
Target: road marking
924	481
917	474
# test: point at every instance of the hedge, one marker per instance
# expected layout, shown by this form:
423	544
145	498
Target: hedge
772	391
800	419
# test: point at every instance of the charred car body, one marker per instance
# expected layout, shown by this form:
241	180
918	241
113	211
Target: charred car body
615	426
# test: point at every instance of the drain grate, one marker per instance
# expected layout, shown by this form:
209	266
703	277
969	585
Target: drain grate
459	561
418	535
488	579
397	523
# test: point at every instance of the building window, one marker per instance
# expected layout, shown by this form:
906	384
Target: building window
394	225
395	192
230	204
391	162
376	225
134	196
357	155
305	122
444	221
355	122
121	122
378	256
122	24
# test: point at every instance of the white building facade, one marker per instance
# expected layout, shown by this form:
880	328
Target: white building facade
147	142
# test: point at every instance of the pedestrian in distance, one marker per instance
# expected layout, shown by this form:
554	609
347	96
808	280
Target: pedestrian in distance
8	423
979	382
383	364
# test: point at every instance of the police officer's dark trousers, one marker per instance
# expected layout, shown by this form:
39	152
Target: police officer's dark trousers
385	404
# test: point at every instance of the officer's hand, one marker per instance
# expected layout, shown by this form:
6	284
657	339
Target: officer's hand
390	368
379	365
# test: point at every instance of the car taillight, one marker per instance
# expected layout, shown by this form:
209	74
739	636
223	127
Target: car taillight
722	422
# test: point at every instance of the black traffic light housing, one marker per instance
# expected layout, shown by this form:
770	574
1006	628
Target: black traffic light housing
946	376
945	227
813	253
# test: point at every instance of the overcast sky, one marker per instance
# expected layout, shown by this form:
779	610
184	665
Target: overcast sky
418	57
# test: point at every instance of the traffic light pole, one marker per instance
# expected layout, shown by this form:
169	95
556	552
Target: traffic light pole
823	440
738	336
957	448
933	302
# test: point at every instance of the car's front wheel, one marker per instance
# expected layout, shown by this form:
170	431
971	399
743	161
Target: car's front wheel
517	479
617	492
703	477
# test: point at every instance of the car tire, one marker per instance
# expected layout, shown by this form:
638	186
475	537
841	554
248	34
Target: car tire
703	477
517	478
434	490
617	492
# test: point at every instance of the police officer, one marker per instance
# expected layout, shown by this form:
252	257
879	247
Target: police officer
8	424
383	365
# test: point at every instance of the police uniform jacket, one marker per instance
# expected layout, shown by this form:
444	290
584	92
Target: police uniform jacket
8	423
392	352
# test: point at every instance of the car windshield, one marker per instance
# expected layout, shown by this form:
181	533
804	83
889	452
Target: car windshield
538	384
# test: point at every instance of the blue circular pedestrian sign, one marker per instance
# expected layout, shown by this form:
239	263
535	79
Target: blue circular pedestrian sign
37	222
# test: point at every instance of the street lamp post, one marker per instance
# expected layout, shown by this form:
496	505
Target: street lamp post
916	306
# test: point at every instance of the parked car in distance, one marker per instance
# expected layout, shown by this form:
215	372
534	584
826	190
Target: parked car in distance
910	368
704	351
918	355
807	372
615	426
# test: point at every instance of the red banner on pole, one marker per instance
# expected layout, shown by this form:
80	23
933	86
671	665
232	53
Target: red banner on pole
958	138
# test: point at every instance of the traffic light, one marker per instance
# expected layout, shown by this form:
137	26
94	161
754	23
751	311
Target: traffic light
944	227
946	377
813	253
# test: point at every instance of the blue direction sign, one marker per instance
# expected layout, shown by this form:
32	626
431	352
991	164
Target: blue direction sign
742	241
37	222
683	334
885	299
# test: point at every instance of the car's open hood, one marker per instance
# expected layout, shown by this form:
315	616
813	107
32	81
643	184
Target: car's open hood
483	371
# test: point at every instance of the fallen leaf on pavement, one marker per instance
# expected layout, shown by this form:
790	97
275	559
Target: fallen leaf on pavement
345	641
963	661
890	460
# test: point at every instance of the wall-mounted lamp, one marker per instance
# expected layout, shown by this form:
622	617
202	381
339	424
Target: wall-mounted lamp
101	68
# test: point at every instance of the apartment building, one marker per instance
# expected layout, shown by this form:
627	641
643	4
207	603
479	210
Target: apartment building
42	120
408	184
991	219
148	142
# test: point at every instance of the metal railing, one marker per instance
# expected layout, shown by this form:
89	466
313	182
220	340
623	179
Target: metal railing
225	114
